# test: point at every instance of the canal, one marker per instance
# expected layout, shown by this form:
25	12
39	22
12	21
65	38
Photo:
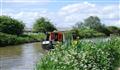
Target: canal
20	57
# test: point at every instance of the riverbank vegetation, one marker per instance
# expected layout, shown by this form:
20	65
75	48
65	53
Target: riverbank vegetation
8	39
92	27
13	29
84	55
12	32
87	33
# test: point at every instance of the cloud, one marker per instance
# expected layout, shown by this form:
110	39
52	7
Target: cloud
68	15
114	23
117	23
72	8
80	11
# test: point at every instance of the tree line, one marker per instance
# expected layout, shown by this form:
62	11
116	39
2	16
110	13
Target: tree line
15	27
92	27
91	24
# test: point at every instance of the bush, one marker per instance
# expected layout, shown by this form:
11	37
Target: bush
7	39
88	33
83	56
114	30
37	36
11	26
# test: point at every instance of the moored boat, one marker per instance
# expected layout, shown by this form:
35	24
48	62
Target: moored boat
51	39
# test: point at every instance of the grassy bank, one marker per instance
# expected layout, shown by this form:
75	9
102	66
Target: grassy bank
7	39
83	55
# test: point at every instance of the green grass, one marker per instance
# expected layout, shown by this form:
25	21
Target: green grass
83	56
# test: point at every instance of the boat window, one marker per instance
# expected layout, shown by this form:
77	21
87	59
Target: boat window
56	36
47	38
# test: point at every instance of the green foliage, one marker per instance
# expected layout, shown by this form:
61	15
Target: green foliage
11	26
7	39
43	25
87	33
93	22
37	36
113	29
83	56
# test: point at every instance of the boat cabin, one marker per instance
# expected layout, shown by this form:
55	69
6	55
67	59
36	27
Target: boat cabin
51	39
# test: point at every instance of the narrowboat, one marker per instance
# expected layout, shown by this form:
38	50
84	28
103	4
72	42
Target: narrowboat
51	39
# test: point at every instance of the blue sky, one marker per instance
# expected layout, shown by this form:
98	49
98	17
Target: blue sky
63	13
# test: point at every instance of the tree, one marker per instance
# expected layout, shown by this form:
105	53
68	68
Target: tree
93	22
79	25
11	26
43	25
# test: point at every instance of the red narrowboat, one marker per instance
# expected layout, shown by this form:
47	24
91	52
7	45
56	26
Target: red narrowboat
51	39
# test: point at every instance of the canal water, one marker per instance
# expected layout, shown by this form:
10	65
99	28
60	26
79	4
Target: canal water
20	57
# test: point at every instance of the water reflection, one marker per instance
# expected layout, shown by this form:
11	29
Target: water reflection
20	57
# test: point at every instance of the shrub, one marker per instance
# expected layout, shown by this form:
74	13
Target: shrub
88	33
37	36
114	30
83	56
7	39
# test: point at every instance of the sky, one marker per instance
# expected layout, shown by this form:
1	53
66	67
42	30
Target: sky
62	13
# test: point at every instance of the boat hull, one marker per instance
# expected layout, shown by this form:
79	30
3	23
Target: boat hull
48	46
